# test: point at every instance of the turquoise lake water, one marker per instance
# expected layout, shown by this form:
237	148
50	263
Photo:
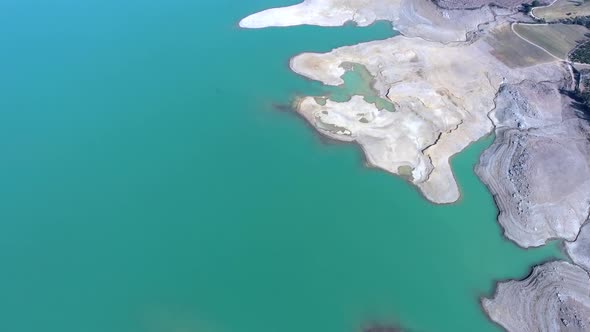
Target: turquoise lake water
152	180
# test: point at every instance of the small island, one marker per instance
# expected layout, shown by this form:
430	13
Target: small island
459	71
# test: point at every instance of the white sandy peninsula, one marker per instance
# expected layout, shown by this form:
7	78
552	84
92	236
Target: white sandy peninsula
441	81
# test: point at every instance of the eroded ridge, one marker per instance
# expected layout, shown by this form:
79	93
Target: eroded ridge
555	297
538	168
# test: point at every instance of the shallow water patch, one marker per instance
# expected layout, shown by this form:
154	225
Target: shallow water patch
357	81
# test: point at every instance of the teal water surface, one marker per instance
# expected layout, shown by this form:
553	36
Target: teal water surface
149	182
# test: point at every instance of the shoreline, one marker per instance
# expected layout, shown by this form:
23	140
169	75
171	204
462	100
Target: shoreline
497	281
334	79
329	141
504	64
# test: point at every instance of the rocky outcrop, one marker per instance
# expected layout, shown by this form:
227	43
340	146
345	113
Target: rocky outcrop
538	168
579	250
472	4
555	297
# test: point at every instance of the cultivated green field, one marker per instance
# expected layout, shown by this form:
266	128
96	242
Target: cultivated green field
513	50
563	9
557	39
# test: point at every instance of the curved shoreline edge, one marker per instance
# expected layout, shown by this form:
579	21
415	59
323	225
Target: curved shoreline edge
456	75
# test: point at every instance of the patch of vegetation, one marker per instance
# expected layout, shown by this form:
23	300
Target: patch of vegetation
581	102
581	97
581	54
579	20
581	94
527	7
